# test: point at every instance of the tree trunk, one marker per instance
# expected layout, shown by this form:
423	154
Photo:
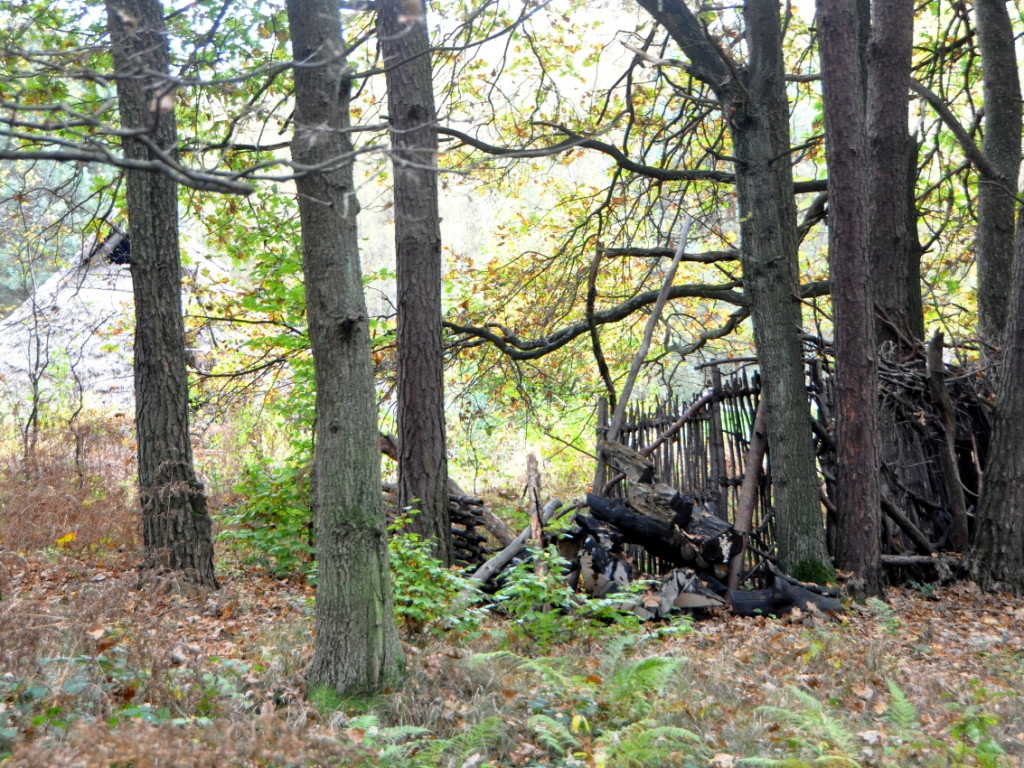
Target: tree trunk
422	459
175	522
1001	146
915	304
356	647
858	501
770	277
757	109
997	560
888	145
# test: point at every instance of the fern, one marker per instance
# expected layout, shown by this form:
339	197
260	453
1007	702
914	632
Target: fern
885	614
430	752
645	744
496	658
815	730
791	762
482	736
634	685
901	712
553	735
551	671
375	734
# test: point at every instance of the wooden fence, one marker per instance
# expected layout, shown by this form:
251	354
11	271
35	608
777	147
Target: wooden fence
707	457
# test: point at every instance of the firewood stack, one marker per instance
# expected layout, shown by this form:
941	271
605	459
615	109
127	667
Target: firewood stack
467	515
690	541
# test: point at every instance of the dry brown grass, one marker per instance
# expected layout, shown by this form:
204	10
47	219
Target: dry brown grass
51	494
222	675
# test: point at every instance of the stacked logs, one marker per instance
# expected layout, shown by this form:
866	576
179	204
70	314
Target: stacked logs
468	520
690	541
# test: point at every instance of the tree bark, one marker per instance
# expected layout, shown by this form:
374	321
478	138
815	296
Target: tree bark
422	460
1001	146
858	502
915	303
888	147
356	647
770	277
748	492
997	559
176	527
757	110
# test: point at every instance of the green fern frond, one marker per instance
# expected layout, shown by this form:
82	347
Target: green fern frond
901	712
645	744
613	653
815	723
503	659
421	753
481	736
554	736
551	670
830	761
648	675
363	722
636	684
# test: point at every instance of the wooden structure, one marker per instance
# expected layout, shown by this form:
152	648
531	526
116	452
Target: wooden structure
706	458
934	428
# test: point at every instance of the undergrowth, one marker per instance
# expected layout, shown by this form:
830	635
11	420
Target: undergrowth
98	669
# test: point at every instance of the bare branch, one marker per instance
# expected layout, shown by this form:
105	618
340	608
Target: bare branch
971	150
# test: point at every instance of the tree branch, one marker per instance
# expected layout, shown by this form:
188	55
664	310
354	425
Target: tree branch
967	145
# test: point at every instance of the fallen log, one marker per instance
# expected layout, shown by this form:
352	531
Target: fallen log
503	558
778	599
631	464
706	544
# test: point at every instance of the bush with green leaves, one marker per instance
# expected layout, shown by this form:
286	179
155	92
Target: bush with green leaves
428	596
274	523
536	595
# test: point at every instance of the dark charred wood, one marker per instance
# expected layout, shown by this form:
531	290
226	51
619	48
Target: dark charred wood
658	539
608	536
720	539
778	599
706	544
600	571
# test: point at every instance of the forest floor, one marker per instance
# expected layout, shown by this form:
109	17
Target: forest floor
98	669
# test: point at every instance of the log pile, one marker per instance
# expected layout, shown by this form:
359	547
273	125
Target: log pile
469	542
467	513
693	544
469	520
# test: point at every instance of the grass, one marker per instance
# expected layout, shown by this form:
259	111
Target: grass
98	670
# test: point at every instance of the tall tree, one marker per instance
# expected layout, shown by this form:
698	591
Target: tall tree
356	647
1001	146
997	559
758	112
175	520
858	499
888	58
412	120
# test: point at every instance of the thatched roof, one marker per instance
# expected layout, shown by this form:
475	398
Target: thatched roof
76	332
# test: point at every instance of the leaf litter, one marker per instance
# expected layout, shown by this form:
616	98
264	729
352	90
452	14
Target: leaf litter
98	668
